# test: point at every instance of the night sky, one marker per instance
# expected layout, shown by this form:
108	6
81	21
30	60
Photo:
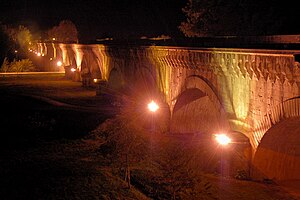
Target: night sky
116	18
98	19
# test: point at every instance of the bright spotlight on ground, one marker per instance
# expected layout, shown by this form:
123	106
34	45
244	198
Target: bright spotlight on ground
38	54
222	139
59	63
152	106
73	69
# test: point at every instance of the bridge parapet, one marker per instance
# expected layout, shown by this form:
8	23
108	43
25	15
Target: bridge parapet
254	63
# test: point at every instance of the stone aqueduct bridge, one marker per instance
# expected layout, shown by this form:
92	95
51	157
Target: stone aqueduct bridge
250	91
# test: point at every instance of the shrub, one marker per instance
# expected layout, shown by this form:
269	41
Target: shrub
24	65
242	175
5	65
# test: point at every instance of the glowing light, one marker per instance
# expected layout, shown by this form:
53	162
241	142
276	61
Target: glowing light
59	63
152	106
95	80
73	69
43	54
53	39
222	139
38	54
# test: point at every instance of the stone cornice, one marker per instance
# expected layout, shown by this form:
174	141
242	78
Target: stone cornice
266	64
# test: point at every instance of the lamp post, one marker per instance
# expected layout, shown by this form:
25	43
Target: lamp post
152	107
223	140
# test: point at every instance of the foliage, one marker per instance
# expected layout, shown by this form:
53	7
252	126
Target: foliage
4	43
24	65
24	37
5	65
242	175
65	32
18	40
177	175
220	17
124	145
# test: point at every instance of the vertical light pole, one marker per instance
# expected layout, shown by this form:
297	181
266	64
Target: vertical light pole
223	140
152	107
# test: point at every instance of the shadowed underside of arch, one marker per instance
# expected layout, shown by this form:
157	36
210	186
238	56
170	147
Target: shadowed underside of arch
288	109
89	64
278	154
198	110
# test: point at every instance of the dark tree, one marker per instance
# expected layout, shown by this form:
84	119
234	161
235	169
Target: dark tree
65	32
4	44
235	17
16	41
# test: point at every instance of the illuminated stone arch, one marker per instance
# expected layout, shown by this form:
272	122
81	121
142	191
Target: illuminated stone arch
144	82
276	142
94	67
198	109
70	58
115	78
84	64
89	65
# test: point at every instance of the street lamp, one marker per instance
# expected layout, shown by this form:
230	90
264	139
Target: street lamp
73	69
222	139
59	63
152	106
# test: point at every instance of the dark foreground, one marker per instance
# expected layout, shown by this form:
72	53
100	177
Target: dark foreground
47	151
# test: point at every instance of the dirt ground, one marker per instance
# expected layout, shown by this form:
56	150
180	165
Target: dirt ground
46	151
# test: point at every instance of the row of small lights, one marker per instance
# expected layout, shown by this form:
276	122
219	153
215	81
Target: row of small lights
59	63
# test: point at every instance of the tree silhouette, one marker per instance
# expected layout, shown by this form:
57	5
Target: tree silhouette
236	17
65	32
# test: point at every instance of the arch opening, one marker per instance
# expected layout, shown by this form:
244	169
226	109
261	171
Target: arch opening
278	155
195	113
115	82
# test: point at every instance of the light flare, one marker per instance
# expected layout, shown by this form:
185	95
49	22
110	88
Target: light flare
223	139
59	63
152	106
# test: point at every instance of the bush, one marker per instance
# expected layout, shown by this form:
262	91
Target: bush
242	175
24	65
5	65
